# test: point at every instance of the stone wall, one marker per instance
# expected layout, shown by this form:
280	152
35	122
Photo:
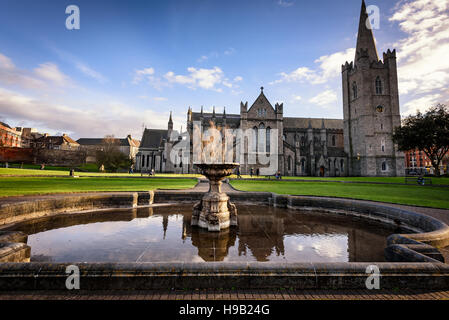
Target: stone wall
9	154
60	157
46	156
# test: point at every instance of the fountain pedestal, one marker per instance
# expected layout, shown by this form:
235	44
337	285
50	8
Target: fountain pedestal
215	212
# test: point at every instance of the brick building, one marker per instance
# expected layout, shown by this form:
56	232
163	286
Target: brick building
63	142
417	162
10	137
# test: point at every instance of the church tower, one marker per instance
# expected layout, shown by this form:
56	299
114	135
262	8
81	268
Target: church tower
371	108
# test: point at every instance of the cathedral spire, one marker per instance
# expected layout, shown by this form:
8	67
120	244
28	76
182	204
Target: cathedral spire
170	120
366	44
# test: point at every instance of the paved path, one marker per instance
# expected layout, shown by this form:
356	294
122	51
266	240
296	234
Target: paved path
231	295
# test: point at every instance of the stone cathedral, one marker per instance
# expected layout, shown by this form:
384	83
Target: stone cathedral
359	145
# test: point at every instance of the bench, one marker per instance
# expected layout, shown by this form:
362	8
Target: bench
418	180
272	176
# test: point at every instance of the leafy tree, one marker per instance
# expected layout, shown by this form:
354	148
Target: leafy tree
427	132
110	155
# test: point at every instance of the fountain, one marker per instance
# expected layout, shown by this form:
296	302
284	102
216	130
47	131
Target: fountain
215	211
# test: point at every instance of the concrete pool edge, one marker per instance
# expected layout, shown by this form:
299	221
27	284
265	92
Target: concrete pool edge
149	276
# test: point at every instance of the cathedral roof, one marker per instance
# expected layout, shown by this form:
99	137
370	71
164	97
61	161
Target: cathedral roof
297	123
261	101
153	138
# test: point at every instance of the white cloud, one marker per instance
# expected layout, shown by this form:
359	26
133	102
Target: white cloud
139	75
203	78
329	67
325	98
423	66
238	79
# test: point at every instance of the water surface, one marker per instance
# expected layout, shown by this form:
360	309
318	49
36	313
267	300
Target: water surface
164	234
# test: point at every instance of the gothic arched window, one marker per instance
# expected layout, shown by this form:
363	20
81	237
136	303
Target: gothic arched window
262	138
384	166
289	163
268	137
379	87
333	141
255	139
354	90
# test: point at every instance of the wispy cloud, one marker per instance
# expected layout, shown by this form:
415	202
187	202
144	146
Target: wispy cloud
285	3
46	76
214	54
92	120
91	72
79	64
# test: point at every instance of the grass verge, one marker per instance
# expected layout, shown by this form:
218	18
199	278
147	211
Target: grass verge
18	186
434	197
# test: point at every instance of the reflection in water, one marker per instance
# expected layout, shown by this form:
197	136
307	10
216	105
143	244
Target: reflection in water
164	233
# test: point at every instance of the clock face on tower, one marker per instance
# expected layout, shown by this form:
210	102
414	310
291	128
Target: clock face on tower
380	109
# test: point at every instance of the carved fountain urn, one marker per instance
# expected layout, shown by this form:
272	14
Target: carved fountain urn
215	212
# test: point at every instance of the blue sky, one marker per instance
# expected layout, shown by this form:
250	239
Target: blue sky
132	62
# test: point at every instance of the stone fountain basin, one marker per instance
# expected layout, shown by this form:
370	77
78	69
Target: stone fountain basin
415	270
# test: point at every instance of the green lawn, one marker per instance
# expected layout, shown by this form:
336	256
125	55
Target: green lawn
436	197
14	186
436	181
65	172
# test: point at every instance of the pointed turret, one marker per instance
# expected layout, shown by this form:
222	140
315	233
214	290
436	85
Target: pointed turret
366	44
170	126
224	112
189	115
213	113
